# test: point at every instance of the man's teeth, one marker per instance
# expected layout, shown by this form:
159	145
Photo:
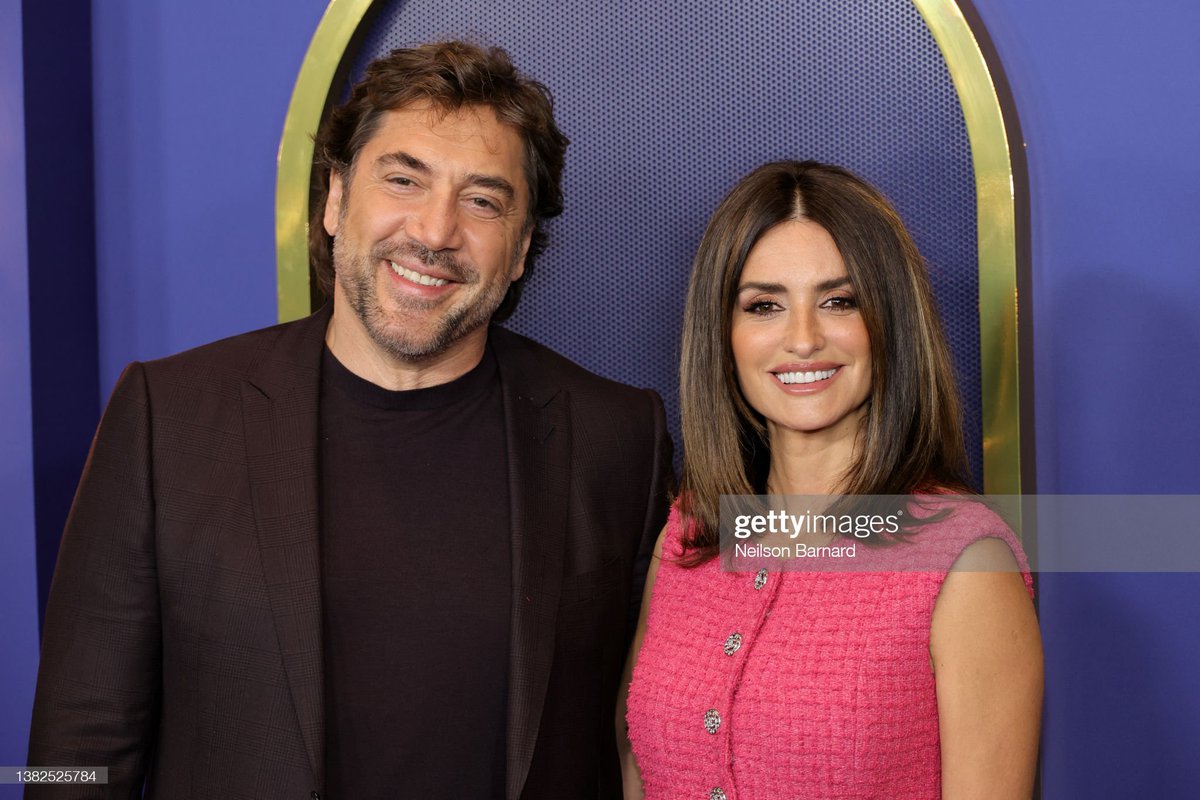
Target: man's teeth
805	377
417	277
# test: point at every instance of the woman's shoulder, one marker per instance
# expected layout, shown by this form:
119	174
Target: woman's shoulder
679	530
675	523
959	512
969	532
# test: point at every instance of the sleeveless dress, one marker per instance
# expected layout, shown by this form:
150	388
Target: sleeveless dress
773	685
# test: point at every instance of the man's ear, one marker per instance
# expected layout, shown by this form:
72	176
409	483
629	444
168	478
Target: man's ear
333	203
522	252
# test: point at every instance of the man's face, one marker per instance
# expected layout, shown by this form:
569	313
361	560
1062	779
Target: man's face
429	230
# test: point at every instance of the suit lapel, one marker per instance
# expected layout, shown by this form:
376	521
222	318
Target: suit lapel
279	405
539	474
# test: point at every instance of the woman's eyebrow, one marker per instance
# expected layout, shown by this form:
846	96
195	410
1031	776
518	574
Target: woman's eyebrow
779	288
776	288
833	283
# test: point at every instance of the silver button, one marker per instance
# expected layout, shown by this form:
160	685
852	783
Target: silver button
733	643
717	794
712	720
760	580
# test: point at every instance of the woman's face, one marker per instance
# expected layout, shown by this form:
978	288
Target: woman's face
800	346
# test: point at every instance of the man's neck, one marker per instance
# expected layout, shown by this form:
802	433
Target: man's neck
350	343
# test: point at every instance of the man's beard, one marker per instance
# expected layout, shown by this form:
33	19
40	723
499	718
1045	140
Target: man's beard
357	278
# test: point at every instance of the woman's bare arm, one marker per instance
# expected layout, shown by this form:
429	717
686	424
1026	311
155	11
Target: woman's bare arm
986	652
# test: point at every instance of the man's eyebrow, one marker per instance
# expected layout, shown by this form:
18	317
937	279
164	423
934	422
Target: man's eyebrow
493	182
403	159
409	161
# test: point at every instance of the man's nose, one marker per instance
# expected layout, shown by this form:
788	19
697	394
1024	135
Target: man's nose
434	223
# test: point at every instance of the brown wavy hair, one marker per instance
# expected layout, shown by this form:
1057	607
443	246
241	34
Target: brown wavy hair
911	440
448	76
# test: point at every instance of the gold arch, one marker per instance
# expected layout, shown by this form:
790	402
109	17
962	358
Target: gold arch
996	207
996	215
309	97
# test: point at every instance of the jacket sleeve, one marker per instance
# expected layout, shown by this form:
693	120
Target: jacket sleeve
99	680
658	499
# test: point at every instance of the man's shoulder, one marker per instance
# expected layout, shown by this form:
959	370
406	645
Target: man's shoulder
283	347
540	364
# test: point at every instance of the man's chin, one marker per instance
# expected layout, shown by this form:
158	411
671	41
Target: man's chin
399	341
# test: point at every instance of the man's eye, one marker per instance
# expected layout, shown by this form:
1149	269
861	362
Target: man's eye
484	204
400	180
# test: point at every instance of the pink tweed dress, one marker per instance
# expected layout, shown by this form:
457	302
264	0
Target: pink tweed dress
795	684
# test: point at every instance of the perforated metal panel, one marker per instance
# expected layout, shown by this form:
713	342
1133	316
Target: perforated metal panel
668	104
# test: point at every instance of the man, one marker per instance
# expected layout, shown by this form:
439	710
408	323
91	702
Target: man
385	551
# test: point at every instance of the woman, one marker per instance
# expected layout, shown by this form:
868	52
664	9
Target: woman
814	363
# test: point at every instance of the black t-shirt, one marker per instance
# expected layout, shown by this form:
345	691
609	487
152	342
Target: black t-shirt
416	585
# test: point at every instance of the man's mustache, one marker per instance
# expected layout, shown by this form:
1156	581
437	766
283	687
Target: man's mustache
410	251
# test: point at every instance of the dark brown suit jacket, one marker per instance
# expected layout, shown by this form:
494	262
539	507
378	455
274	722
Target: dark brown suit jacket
182	645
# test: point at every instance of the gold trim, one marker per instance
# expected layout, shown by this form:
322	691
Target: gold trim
996	226
317	72
995	206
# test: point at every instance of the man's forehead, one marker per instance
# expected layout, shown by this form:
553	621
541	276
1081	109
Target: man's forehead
472	131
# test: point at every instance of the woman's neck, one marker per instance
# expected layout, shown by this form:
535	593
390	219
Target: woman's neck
806	464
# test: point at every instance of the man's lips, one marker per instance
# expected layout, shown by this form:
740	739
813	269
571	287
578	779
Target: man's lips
420	266
418	276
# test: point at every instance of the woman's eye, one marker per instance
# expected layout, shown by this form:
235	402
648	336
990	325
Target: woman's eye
761	307
841	303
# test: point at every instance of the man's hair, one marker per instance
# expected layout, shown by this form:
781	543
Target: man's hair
447	76
911	439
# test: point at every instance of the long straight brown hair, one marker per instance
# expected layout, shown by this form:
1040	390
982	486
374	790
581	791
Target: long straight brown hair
911	439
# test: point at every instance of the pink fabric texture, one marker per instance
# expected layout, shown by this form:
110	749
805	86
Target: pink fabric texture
816	685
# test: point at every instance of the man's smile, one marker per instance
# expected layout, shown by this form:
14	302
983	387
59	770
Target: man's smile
415	276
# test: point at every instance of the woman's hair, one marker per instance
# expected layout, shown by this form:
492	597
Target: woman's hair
911	436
